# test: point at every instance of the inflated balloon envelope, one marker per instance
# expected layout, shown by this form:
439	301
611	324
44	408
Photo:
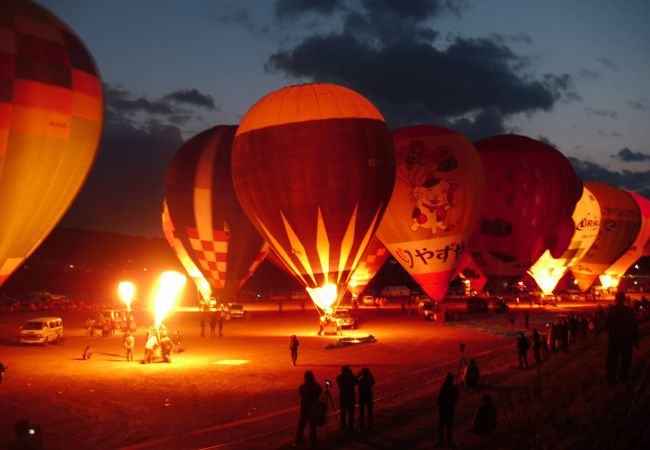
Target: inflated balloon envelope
371	262
435	204
619	227
209	221
613	274
531	193
547	271
312	166
50	123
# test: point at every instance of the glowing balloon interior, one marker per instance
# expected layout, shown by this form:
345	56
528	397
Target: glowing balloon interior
311	165
547	271
169	288
51	114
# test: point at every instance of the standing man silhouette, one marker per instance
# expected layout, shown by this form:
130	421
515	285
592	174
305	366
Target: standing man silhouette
446	401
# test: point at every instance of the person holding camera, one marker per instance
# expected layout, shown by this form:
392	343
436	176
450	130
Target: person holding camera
310	408
27	438
346	382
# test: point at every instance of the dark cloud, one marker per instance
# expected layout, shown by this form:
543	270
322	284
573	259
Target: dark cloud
191	97
607	62
547	141
289	9
642	104
122	105
638	182
586	74
602	113
627	155
517	38
386	51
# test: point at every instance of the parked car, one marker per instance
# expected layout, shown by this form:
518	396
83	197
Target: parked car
42	330
235	311
368	300
343	318
477	304
428	309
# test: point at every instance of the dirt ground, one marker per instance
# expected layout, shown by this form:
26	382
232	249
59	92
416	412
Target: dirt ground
239	391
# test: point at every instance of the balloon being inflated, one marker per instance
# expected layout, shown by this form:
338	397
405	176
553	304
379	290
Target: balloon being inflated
51	114
531	193
435	204
311	167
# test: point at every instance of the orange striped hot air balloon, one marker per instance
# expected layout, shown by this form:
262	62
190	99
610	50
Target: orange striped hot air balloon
619	226
531	193
209	221
613	274
174	241
312	167
50	123
547	271
436	202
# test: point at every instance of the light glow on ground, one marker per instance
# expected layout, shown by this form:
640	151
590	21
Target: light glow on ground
232	362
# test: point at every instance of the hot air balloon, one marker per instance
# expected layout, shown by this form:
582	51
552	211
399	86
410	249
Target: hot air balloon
50	123
436	201
471	275
613	274
174	241
531	193
311	167
619	226
371	262
547	271
210	223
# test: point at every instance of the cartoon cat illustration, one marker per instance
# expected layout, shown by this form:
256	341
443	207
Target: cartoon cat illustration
432	201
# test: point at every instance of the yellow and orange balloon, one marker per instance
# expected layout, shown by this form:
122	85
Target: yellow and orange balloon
436	203
50	123
547	271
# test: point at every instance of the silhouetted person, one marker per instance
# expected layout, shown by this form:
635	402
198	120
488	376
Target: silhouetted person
346	382
129	344
522	350
176	340
446	401
310	408
537	345
293	348
87	353
213	324
471	374
623	334
485	419
24	440
366	403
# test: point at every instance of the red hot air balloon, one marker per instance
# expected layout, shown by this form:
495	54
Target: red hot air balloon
209	221
50	123
436	201
311	167
531	193
619	226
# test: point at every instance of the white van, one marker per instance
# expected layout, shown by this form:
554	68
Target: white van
42	330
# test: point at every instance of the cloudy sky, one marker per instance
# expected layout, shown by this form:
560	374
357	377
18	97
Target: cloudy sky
572	73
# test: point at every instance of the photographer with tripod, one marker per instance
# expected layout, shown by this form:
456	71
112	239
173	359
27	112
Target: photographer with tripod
311	410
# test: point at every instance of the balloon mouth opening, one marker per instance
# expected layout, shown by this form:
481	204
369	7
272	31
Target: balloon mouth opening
608	282
324	296
546	282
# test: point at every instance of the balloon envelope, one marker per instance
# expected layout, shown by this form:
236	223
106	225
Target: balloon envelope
209	221
435	204
310	167
531	193
619	227
371	262
547	271
613	274
175	243
50	123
